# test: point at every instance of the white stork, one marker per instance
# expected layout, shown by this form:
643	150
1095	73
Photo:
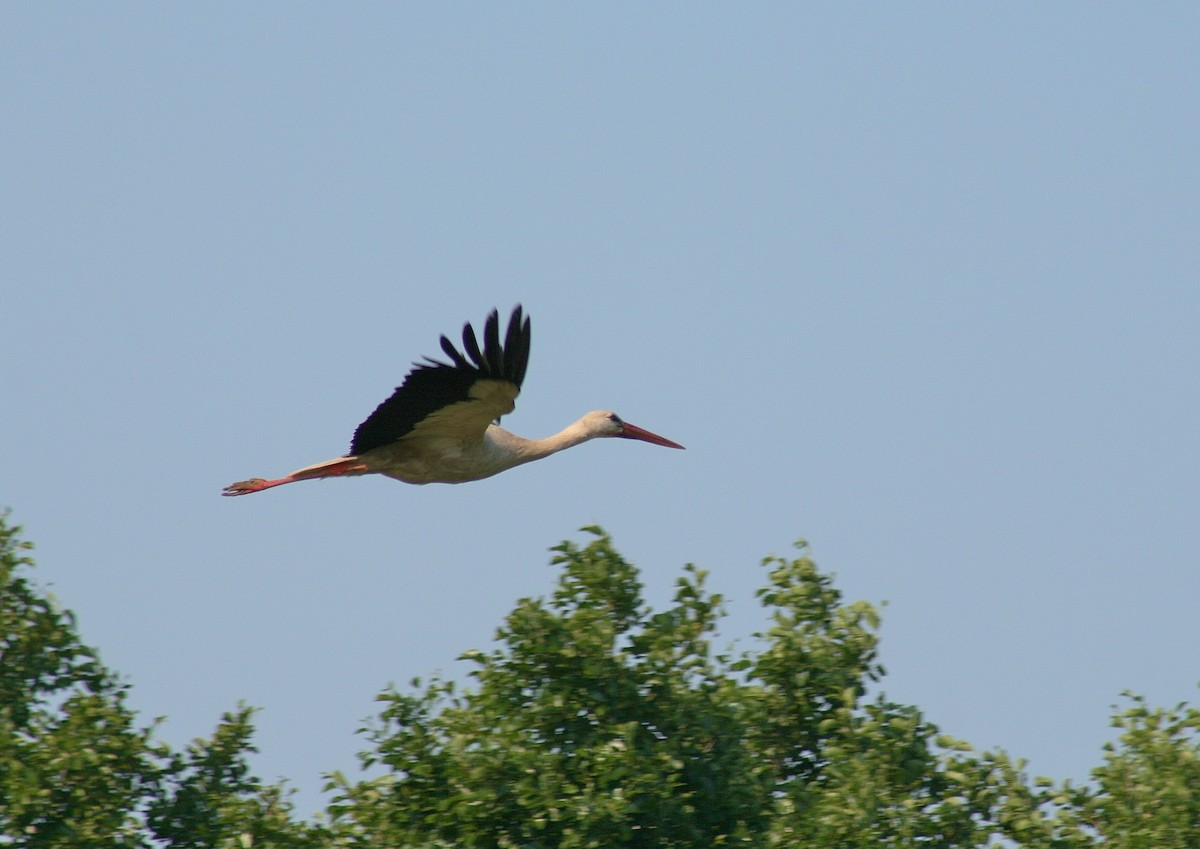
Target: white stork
440	425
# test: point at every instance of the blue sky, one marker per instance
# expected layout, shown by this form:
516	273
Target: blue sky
917	283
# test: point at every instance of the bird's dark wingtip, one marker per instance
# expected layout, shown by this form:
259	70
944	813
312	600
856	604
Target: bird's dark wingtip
433	384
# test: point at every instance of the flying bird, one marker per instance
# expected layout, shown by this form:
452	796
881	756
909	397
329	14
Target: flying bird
440	425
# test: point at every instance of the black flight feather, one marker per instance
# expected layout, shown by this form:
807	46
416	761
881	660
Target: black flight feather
433	384
515	341
452	353
491	344
471	346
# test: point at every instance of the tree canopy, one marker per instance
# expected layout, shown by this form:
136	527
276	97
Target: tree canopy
593	721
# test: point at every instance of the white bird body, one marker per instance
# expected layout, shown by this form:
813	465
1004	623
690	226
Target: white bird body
440	458
439	426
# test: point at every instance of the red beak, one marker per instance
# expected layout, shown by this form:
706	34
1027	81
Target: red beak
629	431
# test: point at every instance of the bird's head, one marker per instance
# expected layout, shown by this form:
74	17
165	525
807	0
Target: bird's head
608	423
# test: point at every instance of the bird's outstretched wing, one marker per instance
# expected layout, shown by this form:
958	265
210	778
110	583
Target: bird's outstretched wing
458	398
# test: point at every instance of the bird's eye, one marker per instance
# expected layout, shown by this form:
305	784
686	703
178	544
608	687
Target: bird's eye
615	419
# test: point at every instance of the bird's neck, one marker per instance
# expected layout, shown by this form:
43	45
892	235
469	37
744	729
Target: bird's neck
527	450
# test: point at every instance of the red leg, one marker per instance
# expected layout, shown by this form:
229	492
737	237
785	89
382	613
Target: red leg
347	466
254	485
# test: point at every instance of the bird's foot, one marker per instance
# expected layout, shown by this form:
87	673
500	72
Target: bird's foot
246	487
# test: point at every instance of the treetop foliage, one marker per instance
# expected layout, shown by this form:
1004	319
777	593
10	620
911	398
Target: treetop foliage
75	768
593	721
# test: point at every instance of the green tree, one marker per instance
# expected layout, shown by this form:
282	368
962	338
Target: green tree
598	722
1146	794
72	765
595	721
75	768
599	725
